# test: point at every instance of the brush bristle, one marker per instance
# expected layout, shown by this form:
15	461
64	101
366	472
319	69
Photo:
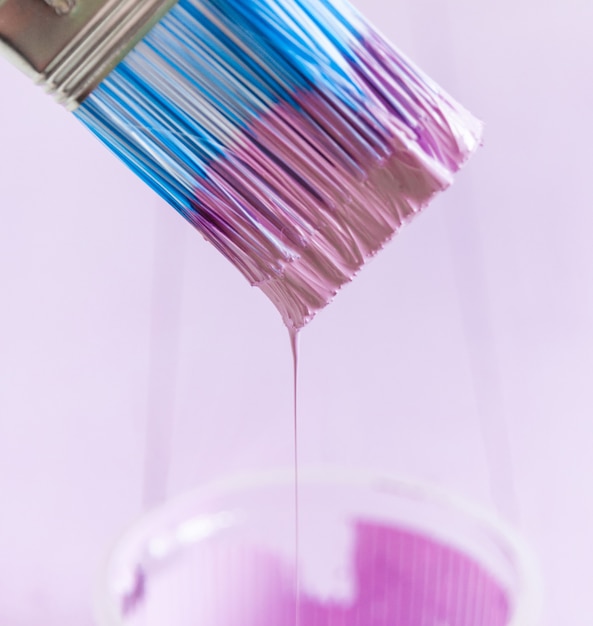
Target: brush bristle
289	133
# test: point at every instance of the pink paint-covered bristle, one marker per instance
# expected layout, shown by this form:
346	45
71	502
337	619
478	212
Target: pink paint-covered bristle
343	201
290	134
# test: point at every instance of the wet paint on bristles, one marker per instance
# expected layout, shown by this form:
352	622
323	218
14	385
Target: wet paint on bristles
288	132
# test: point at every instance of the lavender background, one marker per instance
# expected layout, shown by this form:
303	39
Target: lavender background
463	354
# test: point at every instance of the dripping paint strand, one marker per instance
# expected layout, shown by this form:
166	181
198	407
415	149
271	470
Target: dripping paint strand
294	345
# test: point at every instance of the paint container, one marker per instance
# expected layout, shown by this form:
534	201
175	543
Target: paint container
373	550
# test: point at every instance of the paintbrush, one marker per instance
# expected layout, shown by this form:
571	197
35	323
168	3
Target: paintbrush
292	135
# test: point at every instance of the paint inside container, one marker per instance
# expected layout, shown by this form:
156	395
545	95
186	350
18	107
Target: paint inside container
373	551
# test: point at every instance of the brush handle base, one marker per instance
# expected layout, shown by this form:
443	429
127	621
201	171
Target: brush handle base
69	53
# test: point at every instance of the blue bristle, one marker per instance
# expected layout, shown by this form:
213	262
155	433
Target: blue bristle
289	133
206	69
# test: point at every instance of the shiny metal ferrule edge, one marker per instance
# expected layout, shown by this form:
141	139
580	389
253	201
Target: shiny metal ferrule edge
69	48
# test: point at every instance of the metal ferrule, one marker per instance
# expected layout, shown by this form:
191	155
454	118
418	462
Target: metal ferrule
69	46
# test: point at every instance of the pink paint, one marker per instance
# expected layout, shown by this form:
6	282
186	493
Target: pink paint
407	579
312	190
293	334
400	578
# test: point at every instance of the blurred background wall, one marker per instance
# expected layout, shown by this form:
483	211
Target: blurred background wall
463	354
